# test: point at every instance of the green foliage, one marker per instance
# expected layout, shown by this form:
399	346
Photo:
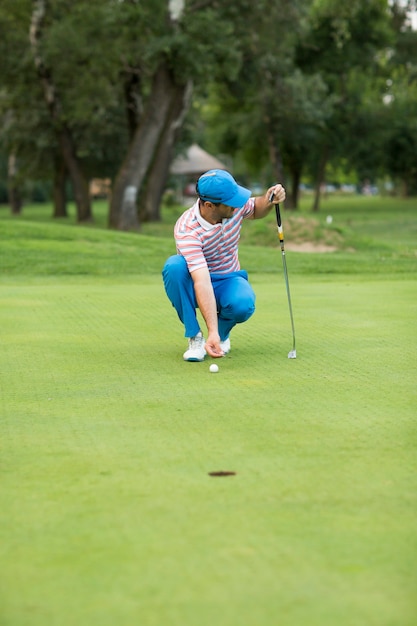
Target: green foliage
345	35
401	127
241	111
297	74
343	45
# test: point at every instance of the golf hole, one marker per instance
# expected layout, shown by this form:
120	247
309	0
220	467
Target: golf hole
222	473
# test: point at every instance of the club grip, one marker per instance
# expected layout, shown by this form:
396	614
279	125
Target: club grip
278	212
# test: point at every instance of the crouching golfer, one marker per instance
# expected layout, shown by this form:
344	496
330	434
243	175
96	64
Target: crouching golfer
206	273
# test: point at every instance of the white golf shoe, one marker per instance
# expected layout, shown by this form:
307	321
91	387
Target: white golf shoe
196	350
225	346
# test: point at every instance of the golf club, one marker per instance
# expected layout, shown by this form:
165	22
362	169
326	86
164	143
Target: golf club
292	354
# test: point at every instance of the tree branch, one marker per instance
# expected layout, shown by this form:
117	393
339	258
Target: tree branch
203	4
35	32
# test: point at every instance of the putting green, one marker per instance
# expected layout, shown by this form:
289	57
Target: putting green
109	514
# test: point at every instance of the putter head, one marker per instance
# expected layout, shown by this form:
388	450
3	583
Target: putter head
292	354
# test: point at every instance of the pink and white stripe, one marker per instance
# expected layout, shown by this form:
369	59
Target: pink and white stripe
211	245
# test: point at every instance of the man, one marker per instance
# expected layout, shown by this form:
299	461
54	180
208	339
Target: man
206	273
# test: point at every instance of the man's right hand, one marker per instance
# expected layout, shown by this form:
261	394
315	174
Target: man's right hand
213	346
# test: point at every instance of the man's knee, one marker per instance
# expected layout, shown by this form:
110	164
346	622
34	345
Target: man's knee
245	308
175	269
241	308
174	264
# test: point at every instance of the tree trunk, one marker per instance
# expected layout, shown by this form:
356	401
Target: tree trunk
294	192
321	177
276	159
79	182
404	188
123	214
133	100
62	131
59	195
150	199
15	198
296	188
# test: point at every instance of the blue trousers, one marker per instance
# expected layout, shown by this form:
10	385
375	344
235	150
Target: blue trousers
235	297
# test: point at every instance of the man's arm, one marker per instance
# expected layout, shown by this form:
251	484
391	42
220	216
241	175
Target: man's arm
263	204
207	304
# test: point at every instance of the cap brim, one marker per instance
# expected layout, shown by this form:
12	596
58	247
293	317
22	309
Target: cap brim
239	199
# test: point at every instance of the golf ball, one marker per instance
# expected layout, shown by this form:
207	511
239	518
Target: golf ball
214	368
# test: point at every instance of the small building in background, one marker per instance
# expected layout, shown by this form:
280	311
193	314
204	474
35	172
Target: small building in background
100	188
188	167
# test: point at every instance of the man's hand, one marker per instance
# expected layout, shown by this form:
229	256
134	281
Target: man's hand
263	204
276	194
213	346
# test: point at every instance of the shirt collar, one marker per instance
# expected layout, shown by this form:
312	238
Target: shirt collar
204	223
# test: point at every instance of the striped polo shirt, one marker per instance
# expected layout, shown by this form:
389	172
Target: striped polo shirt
211	245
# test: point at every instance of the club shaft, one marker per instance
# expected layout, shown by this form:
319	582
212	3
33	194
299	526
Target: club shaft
284	262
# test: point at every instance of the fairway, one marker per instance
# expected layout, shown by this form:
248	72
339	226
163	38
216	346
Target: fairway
109	515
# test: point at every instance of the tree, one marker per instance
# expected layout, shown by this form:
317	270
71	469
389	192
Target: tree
271	113
166	98
81	132
183	44
13	63
342	39
62	128
253	112
400	147
400	101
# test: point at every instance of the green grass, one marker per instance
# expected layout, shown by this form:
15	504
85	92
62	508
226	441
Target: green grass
373	235
107	436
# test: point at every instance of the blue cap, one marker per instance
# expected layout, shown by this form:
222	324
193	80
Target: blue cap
219	187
